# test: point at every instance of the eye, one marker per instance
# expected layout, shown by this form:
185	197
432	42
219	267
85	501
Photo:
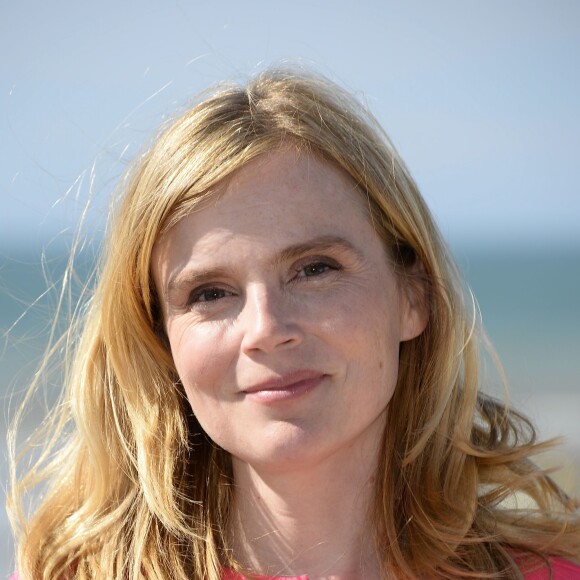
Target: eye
317	268
207	294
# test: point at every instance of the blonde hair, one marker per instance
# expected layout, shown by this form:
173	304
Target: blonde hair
136	489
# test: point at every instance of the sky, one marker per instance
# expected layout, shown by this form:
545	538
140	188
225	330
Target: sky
482	99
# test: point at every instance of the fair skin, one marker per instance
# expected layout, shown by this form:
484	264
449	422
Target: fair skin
284	317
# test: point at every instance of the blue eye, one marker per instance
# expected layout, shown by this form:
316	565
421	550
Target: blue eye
315	269
207	295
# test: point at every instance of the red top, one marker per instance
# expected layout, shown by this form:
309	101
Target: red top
561	570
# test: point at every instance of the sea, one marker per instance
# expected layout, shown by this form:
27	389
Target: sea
529	300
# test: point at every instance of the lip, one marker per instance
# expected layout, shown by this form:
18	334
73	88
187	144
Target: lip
289	386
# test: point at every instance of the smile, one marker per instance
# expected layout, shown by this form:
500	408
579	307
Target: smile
287	387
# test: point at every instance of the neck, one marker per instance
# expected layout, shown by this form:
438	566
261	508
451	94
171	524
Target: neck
309	520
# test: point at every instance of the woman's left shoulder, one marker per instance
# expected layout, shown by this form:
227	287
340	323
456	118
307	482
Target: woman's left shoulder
561	570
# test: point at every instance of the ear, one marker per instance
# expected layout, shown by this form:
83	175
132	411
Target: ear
414	307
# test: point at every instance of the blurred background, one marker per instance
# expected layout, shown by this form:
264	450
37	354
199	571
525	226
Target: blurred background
481	99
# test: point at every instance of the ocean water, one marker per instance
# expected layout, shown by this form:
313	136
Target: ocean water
530	305
529	302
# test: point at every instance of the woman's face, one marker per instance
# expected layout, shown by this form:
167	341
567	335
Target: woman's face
283	313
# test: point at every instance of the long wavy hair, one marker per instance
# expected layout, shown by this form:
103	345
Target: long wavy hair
132	486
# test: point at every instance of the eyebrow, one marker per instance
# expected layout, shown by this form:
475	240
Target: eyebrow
189	278
321	244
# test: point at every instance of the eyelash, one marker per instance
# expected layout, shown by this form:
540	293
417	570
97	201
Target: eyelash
318	267
194	297
315	266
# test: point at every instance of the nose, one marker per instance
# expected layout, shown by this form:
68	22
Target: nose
269	321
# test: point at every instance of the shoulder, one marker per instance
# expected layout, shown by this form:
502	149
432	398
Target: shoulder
231	575
561	570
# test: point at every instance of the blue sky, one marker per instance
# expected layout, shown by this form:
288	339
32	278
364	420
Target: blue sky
482	99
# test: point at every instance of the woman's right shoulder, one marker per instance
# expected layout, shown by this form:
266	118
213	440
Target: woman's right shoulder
561	570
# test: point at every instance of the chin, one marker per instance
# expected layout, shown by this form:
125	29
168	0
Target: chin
284	446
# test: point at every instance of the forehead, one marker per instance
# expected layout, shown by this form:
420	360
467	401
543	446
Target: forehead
282	186
276	200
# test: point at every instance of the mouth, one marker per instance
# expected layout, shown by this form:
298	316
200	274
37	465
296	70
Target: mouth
286	387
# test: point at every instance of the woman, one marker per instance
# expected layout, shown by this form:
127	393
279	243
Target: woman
277	374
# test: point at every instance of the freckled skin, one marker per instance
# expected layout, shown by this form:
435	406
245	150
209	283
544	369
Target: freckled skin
240	308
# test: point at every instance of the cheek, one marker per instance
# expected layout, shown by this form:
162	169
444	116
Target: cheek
201	356
378	344
203	362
